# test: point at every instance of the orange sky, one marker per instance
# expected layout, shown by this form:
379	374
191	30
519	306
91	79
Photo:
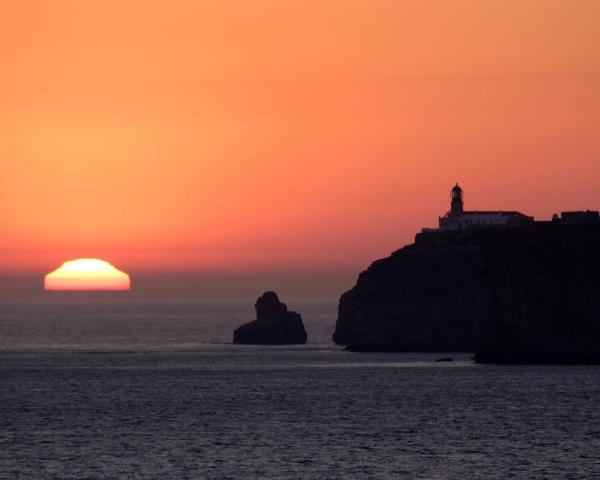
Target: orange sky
284	135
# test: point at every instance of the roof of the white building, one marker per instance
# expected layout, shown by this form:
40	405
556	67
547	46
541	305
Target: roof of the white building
503	213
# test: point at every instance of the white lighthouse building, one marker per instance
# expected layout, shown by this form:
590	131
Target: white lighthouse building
459	219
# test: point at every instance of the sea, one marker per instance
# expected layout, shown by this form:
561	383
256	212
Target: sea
156	390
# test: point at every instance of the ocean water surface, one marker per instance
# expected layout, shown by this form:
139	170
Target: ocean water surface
155	390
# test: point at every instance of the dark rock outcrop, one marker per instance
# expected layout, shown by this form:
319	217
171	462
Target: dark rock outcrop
527	294
545	286
427	296
274	324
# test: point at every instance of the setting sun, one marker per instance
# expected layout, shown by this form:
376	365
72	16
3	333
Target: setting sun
87	274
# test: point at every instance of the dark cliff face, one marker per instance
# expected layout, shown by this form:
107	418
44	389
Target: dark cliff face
545	287
425	297
523	294
274	324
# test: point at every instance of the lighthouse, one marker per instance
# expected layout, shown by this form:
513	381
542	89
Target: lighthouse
459	219
456	204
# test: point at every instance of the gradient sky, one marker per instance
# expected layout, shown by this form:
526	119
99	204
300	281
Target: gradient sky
269	135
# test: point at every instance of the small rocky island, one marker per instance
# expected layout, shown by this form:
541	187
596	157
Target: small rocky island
274	324
495	283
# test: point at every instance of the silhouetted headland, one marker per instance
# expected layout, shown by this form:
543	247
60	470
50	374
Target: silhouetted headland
507	288
274	324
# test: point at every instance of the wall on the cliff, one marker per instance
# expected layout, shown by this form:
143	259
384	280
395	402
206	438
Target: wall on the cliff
545	287
425	297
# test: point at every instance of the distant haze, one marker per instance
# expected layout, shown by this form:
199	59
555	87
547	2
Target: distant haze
292	286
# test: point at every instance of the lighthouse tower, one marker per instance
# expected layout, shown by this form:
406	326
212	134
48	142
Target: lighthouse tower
456	204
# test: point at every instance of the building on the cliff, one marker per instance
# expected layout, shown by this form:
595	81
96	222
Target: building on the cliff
459	219
584	216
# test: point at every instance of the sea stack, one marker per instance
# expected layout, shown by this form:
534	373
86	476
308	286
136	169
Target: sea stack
274	324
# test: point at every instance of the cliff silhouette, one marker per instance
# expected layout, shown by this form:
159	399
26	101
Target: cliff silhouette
427	296
519	294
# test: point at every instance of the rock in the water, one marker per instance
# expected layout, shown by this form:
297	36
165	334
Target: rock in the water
425	297
545	284
274	324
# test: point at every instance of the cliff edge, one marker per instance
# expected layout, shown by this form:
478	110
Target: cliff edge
427	296
526	294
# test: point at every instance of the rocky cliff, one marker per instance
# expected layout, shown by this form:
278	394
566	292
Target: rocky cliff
427	296
545	295
522	294
274	324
